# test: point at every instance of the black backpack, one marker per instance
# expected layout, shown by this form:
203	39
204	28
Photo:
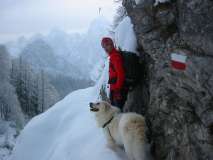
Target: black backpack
132	68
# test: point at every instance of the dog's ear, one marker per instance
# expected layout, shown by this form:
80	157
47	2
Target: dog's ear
106	106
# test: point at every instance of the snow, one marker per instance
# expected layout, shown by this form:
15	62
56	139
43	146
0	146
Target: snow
103	81
138	1
7	138
68	130
160	1
125	36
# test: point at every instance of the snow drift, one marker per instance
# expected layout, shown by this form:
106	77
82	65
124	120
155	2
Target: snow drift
66	131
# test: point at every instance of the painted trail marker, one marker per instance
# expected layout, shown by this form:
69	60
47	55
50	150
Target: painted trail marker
178	61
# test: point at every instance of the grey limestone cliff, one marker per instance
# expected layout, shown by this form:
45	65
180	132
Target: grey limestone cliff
178	104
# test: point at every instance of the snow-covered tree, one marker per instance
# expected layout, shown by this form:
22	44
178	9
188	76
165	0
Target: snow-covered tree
9	104
34	91
47	94
5	63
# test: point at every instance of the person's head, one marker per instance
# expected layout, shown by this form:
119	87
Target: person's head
107	44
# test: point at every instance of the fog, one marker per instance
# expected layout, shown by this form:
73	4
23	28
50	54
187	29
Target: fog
26	17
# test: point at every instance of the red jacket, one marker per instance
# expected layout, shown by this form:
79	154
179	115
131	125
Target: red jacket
116	71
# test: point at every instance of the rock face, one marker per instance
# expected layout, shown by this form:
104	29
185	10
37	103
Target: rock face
178	105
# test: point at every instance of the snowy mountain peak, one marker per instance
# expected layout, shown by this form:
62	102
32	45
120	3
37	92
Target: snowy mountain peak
99	24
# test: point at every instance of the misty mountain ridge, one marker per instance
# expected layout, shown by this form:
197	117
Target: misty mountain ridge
71	54
41	56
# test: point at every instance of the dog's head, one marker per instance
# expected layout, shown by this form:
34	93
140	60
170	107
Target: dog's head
103	107
103	111
99	106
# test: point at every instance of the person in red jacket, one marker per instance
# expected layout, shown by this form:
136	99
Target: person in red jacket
118	91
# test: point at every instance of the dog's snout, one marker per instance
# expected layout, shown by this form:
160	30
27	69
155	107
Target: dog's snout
90	104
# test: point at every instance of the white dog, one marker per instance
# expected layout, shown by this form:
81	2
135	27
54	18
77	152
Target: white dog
121	129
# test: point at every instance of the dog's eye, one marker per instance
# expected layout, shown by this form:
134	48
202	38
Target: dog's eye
98	103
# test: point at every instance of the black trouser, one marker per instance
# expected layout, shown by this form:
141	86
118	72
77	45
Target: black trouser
118	102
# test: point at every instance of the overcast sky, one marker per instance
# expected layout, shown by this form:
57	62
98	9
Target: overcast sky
25	17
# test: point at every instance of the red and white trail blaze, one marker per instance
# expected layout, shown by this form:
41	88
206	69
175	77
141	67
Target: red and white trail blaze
178	61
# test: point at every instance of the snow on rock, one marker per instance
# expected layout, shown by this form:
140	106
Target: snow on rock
160	1
137	2
125	36
95	73
103	81
66	131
